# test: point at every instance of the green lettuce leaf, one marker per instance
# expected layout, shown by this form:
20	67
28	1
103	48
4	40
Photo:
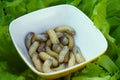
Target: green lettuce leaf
39	4
73	2
5	74
87	6
91	78
8	52
118	61
113	17
107	64
93	68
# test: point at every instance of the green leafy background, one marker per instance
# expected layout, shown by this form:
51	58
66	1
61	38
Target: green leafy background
104	13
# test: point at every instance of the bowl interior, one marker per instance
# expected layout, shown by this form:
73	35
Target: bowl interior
90	40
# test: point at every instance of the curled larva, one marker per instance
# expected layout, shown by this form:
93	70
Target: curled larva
64	40
48	43
59	34
66	57
65	28
78	55
44	56
36	61
60	67
46	65
41	47
33	48
28	39
53	37
62	54
56	47
71	41
52	53
71	61
41	37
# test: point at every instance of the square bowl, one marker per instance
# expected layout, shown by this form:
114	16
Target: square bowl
90	40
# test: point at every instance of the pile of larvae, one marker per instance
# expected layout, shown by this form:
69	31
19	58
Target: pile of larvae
54	49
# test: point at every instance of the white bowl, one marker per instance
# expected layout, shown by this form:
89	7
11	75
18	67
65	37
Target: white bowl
90	40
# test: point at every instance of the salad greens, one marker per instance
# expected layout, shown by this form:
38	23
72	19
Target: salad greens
104	13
